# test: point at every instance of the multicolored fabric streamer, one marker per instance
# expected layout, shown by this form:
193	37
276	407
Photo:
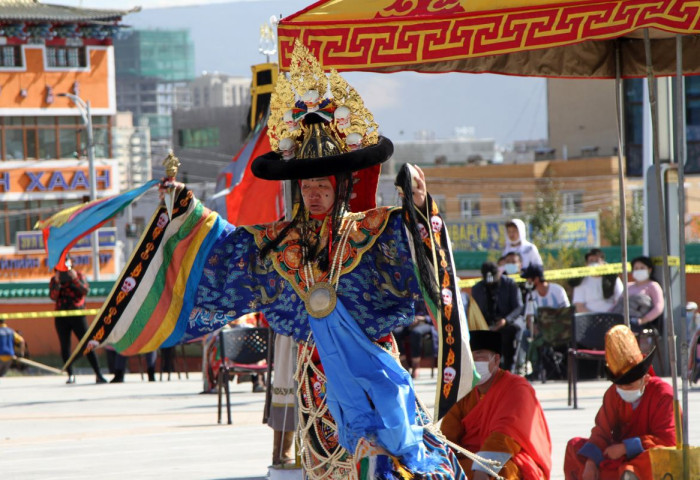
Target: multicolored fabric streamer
63	230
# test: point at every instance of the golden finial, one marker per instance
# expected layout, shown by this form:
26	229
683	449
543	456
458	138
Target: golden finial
171	164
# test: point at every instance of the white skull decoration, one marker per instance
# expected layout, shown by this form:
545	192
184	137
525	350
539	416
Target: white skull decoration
288	119
311	99
436	223
287	148
317	388
342	117
449	375
129	284
423	231
162	220
447	296
354	141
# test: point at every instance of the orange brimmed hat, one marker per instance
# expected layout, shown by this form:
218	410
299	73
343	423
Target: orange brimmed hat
624	359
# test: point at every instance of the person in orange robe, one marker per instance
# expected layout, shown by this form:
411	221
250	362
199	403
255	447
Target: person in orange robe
636	415
501	419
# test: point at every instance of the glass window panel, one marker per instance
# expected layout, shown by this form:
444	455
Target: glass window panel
68	120
101	142
47	144
46	121
14	144
13	120
30	135
99	120
30	121
61	59
73	57
16	219
69	142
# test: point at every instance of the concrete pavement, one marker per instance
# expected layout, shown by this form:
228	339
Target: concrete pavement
140	430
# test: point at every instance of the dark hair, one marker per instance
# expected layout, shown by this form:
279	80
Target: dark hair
517	254
533	271
511	223
643	259
595	251
489	267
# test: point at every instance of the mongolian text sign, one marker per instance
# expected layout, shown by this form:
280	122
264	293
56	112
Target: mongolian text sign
581	230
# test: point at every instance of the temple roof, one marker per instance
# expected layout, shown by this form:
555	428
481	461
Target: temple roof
34	11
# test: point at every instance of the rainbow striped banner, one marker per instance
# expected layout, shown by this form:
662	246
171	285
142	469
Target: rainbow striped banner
150	303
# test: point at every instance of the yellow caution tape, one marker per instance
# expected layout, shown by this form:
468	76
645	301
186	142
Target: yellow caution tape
606	269
49	313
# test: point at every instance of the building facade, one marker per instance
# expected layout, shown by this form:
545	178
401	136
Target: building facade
212	90
153	68
43	151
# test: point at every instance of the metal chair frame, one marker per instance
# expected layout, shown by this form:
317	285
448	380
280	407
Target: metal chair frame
241	350
588	343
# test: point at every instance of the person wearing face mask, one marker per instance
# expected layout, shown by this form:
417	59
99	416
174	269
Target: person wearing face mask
501	304
646	299
636	415
515	433
516	241
597	293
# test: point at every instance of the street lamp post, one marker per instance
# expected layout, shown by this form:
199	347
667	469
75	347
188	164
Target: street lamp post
84	109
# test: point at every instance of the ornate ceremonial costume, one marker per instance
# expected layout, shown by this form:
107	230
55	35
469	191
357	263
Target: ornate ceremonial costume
338	283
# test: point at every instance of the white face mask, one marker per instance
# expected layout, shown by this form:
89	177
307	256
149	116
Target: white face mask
511	268
630	396
640	275
482	369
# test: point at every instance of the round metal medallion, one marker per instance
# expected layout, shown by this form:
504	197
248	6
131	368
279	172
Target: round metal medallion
320	300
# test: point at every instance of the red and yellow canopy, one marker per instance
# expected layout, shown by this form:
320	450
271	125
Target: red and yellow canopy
561	38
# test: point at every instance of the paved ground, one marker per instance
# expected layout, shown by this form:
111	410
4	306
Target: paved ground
139	430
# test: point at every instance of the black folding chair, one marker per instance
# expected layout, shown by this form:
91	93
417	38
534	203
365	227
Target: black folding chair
552	337
588	342
242	350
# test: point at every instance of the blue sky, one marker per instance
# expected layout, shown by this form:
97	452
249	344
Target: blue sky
225	34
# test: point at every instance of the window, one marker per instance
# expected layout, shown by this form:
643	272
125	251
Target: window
634	128
442	205
572	202
10	56
50	138
198	137
66	57
469	206
511	204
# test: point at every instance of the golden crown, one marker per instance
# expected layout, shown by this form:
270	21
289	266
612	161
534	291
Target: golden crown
307	90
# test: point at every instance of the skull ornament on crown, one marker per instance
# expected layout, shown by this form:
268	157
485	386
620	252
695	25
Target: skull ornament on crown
287	148
435	223
448	375
334	105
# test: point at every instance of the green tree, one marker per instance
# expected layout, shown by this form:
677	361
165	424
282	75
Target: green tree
545	215
610	225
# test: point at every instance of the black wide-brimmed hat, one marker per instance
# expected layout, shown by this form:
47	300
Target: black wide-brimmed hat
485	340
272	166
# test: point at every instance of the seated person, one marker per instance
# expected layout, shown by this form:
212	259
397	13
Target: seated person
501	304
501	419
11	344
636	415
414	333
599	293
646	299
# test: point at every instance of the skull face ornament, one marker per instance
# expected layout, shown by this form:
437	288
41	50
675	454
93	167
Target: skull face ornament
446	296
436	223
423	231
129	284
311	99
289	121
448	375
287	148
354	141
162	220
342	117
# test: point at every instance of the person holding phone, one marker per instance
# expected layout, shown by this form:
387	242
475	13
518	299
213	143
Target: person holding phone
69	288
